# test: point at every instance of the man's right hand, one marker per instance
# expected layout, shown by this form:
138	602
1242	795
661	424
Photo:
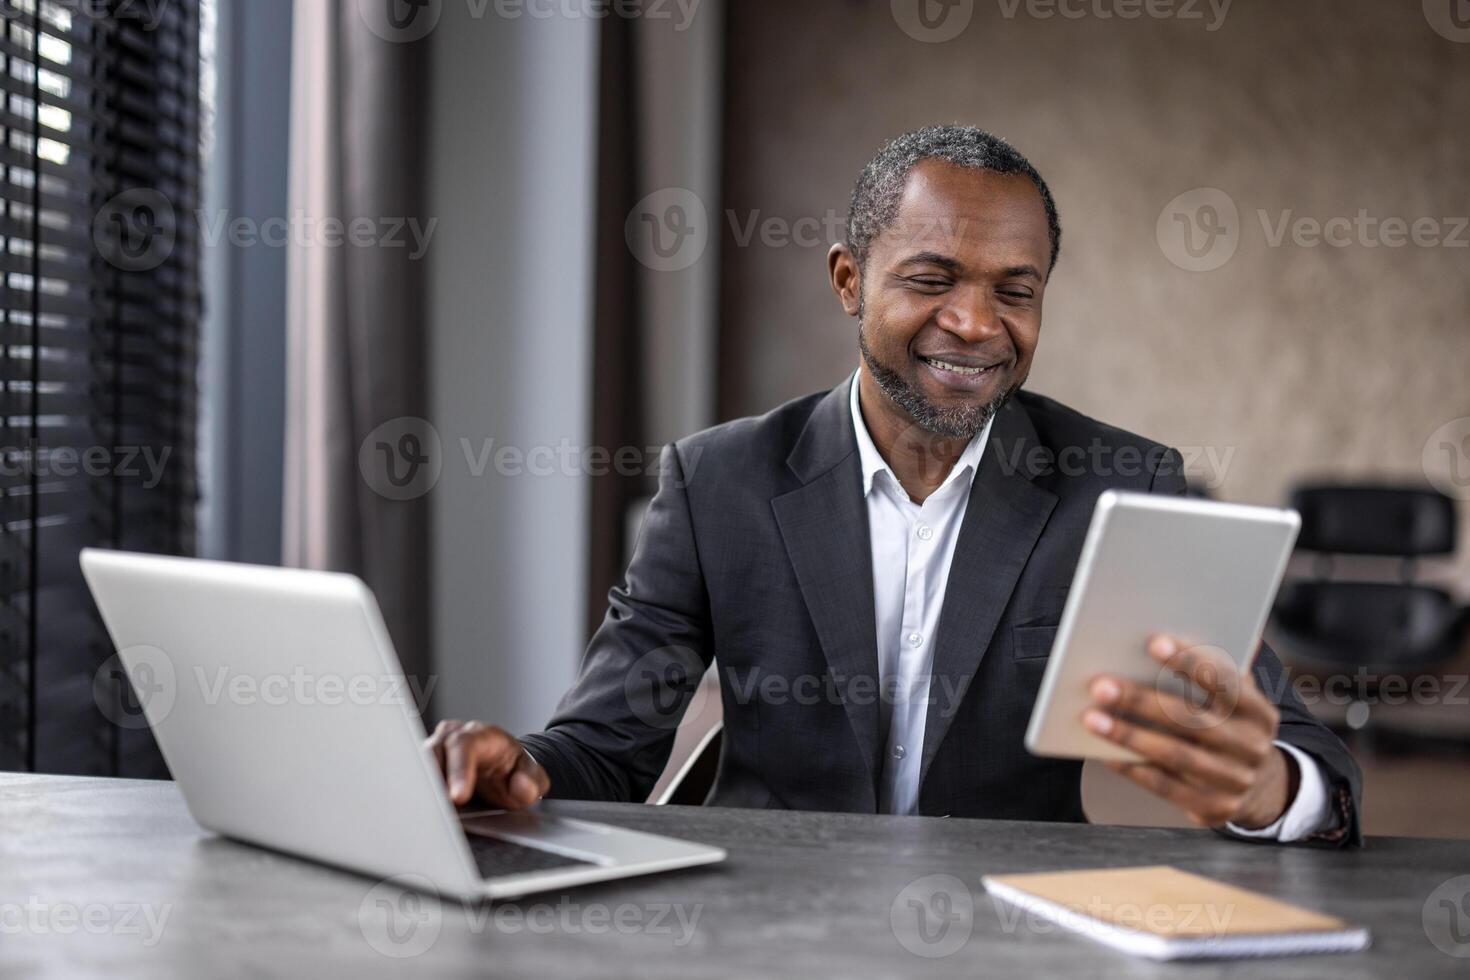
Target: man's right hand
482	760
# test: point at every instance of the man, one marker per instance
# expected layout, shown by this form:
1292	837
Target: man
878	571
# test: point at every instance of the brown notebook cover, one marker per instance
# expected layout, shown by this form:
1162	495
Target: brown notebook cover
1164	913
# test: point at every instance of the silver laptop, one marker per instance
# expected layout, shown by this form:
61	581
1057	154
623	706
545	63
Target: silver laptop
280	707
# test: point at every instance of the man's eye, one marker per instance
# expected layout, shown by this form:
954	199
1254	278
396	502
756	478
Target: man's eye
1018	295
928	282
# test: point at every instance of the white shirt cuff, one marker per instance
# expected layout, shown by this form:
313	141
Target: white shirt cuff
1310	813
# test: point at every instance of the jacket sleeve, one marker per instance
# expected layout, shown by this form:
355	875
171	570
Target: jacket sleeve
1298	726
610	736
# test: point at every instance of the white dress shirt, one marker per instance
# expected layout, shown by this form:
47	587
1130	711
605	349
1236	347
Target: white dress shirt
913	546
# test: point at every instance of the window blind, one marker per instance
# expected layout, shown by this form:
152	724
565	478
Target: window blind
99	317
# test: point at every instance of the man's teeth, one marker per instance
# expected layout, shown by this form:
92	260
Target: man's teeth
956	368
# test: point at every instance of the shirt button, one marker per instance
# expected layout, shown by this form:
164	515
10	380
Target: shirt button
915	640
925	532
898	752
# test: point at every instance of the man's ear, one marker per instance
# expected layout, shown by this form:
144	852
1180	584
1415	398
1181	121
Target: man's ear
846	278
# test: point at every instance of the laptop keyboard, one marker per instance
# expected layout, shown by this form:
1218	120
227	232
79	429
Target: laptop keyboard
497	858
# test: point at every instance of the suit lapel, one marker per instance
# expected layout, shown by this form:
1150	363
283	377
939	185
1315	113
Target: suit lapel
824	524
1004	518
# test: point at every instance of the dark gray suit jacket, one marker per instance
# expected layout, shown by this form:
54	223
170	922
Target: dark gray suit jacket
755	553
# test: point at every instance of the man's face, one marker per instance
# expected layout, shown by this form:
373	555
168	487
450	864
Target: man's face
950	304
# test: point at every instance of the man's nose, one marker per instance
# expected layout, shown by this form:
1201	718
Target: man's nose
973	318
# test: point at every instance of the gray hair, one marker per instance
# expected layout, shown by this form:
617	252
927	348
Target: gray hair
880	186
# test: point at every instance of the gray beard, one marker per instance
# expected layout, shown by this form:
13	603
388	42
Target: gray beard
965	422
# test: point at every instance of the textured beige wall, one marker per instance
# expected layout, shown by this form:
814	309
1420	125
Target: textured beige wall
1296	360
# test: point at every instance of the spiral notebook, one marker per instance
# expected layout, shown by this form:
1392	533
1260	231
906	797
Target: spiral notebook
1163	913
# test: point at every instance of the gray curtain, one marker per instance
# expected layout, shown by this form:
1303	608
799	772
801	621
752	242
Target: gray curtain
355	344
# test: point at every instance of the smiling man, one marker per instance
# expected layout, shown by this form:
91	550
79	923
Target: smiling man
878	570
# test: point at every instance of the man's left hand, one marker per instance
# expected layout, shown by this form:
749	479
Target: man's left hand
1216	761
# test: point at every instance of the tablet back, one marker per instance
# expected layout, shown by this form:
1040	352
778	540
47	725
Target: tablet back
1202	571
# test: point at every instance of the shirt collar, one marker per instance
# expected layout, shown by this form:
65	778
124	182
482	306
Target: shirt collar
873	462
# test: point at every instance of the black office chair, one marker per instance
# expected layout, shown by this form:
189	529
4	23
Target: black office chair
1397	627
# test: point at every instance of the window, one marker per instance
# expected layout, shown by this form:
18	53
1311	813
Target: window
99	311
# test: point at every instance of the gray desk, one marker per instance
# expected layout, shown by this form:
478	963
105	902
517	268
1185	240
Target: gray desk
111	877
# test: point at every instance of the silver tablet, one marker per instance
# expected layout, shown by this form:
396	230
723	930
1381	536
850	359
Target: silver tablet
1204	572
